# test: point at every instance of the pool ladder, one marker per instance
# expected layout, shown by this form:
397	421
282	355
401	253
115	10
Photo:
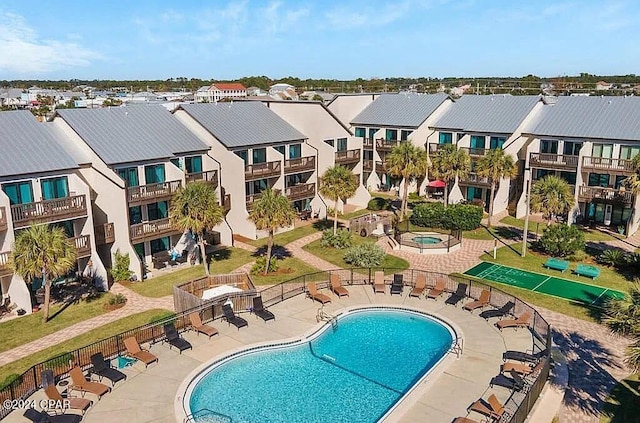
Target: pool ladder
210	415
322	316
456	348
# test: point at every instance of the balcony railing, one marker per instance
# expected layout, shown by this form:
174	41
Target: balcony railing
367	143
104	234
553	161
474	179
262	170
347	156
5	269
148	230
83	245
474	151
152	193
210	176
385	145
300	191
609	165
586	193
251	198
380	167
367	165
47	211
300	164
3	219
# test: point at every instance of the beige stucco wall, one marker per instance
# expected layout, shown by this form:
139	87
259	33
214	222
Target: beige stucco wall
346	107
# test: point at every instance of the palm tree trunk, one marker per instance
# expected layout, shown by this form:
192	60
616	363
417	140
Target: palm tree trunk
47	298
405	193
269	247
203	253
493	188
446	193
335	218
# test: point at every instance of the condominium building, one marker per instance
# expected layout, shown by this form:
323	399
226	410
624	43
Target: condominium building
42	183
221	91
347	106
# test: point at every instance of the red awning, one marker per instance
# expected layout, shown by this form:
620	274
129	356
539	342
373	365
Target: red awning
437	184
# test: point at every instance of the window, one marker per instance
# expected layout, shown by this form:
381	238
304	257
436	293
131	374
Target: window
295	151
67	227
404	135
255	187
361	132
177	163
54	188
572	148
628	153
477	141
619	181
541	173
193	164
602	150
135	215
330	142
342	144
445	138
129	175
549	146
139	250
243	155
295	179
391	135
18	192
158	210
259	155
154	174
496	142
372	132
159	245
367	154
280	149
598	180
570	177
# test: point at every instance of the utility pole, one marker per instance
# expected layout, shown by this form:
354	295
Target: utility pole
526	218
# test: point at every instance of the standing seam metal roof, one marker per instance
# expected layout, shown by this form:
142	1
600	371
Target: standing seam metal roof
399	110
29	146
124	135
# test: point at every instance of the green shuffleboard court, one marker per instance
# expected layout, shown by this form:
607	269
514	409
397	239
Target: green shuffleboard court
544	284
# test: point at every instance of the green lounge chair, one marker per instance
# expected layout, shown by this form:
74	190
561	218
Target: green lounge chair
556	264
587	270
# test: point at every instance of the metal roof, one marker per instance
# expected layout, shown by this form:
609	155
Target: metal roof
29	146
501	114
399	110
132	134
242	123
613	118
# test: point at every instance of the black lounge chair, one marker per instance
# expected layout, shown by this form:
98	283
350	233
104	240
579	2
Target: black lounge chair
231	318
515	382
43	417
500	312
174	340
523	356
397	284
260	311
102	368
457	296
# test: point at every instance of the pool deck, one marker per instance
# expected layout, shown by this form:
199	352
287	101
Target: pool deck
148	395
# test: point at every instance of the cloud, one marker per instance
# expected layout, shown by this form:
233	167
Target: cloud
24	52
342	18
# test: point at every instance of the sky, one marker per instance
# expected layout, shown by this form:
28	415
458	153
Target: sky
348	39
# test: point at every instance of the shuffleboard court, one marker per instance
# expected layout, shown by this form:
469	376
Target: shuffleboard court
550	285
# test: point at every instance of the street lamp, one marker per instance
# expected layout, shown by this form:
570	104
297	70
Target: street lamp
526	218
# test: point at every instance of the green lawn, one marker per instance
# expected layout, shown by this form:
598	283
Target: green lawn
300	232
334	255
354	214
622	404
295	266
25	329
18	367
589	234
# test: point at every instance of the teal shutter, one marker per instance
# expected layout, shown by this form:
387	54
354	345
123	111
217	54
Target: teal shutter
26	194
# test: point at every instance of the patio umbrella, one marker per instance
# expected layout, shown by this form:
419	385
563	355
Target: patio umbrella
437	184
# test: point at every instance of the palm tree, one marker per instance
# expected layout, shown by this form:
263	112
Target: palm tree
494	166
45	252
195	208
408	162
633	181
551	196
338	183
270	212
449	162
622	316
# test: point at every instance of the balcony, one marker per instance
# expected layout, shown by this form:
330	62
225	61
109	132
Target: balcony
367	143
553	161
300	191
150	230
251	198
262	170
5	269
367	165
619	166
152	193
348	157
475	180
301	164
83	245
586	193
380	167
474	151
3	219
385	145
210	176
47	211
104	234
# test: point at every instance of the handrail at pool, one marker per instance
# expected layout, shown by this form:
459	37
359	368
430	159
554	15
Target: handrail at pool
191	418
457	346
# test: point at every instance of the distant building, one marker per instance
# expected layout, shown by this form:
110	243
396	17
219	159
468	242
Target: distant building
602	86
219	91
256	92
283	91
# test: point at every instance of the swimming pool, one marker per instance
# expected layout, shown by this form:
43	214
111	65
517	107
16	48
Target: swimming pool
354	371
426	240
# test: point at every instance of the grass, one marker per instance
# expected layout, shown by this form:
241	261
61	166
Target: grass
622	404
110	329
295	266
354	214
300	232
593	235
29	328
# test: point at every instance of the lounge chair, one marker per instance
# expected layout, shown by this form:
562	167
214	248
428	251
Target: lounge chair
522	321
515	382
485	295
199	327
336	286
524	356
260	311
419	287
524	369
315	295
43	417
73	403
231	317
102	368
173	338
464	420
80	383
134	351
378	282
459	295
491	408
500	312
398	284
437	290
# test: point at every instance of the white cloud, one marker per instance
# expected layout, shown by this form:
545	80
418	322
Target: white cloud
24	52
344	18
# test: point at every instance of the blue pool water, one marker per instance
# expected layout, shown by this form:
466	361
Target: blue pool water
426	240
353	373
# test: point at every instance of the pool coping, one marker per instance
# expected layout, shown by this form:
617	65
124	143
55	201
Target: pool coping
392	414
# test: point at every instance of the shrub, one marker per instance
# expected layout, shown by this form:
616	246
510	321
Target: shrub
342	239
579	255
632	261
364	255
612	258
428	215
120	269
260	264
378	203
414	196
117	299
465	217
12	378
561	240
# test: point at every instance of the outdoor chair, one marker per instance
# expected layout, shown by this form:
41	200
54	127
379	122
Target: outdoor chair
73	403
485	295
378	282
515	382
80	383
36	416
315	295
336	286
522	321
420	286
260	311
174	339
464	420
491	408
199	327
459	295
524	369
102	368
437	290
134	351
524	356
500	312
231	317
398	284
